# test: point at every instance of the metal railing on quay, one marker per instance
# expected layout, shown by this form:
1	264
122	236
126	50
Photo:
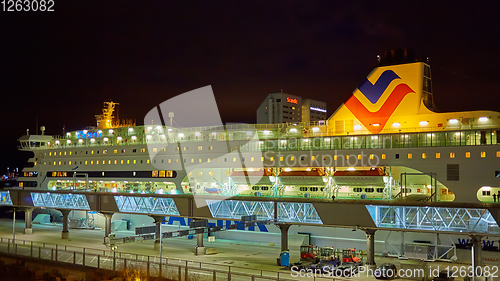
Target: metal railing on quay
153	266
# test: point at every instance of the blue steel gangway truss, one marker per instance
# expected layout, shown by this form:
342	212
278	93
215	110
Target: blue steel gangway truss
442	217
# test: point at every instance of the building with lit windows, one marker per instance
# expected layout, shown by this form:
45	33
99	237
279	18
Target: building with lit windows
285	108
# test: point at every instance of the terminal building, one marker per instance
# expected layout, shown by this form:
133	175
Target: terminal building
285	108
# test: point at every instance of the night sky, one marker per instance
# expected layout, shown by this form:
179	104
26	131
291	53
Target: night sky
58	67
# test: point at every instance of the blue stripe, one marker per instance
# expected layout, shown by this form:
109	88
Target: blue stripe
373	92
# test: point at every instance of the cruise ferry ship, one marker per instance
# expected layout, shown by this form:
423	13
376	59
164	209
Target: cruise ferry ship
385	142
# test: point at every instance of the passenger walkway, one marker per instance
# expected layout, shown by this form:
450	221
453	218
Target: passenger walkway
243	258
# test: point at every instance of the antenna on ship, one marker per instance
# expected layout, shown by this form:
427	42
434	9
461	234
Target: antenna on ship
43	130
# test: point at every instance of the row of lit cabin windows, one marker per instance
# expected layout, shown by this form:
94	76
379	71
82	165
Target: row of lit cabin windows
105	151
252	159
452	155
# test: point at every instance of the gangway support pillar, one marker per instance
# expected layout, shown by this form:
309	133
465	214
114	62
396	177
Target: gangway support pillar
107	223
158	220
370	247
28	221
284	235
476	250
65	222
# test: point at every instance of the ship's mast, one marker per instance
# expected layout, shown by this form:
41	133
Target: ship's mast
105	120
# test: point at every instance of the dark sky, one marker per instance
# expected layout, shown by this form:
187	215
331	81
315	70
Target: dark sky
58	67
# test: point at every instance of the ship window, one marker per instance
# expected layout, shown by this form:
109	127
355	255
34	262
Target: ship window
92	152
105	151
211	173
185	148
192	160
143	150
164	149
86	152
128	161
483	154
70	153
50	153
81	152
69	162
410	155
380	190
424	155
255	188
291	158
115	151
86	162
281	158
123	150
438	155
357	189
210	147
121	162
383	156
234	159
313	189
452	154
467	154
176	149
109	162
60	153
359	156
154	174
312	158
262	159
498	153
497	174
97	162
135	161
486	192
264	188
184	160
303	188
369	190
371	156
251	159
199	160
92	162
64	152
155	149
134	150
397	155
154	161
272	158
200	147
116	162
335	157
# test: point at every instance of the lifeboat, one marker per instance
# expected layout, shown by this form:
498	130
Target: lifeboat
260	177
374	177
303	177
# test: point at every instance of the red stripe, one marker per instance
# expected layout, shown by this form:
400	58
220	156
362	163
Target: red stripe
381	116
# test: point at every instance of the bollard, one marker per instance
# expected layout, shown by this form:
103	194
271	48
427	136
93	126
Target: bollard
83	263
74	257
179	278
253	277
186	272
39	252
114	261
229	274
215	276
148	268
56	252
51	254
124	264
31	249
98	261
